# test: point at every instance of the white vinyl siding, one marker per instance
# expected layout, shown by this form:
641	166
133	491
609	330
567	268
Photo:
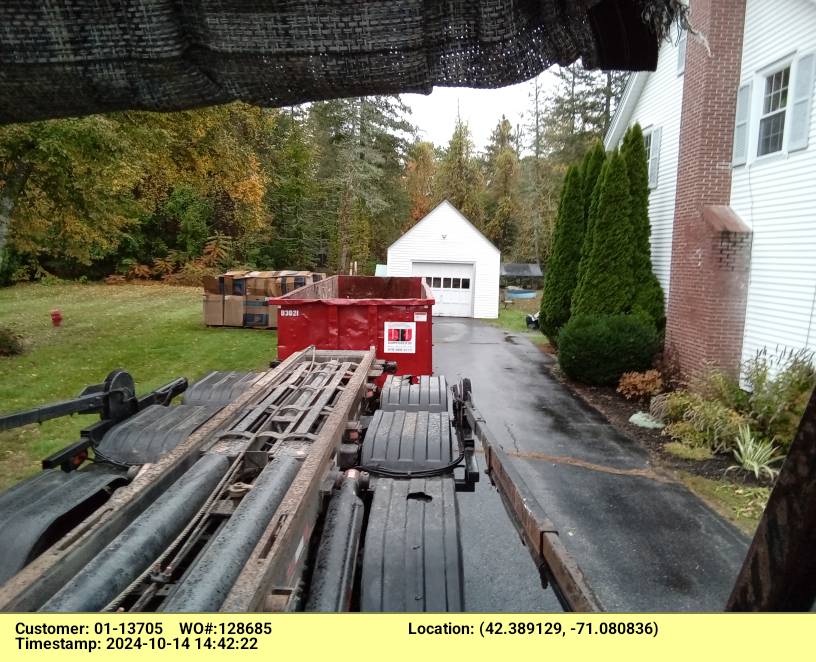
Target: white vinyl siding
775	194
444	237
658	110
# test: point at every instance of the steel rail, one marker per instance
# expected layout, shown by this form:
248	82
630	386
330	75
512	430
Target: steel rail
46	574
540	535
268	581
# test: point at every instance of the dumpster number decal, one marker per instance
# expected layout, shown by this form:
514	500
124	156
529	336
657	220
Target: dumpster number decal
399	338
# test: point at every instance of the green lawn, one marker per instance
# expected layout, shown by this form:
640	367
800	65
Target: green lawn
153	331
513	318
742	505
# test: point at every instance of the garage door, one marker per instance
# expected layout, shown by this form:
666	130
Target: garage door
452	287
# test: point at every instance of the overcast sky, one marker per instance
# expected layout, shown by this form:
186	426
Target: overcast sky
435	114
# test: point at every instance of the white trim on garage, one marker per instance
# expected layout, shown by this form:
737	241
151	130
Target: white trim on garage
452	284
447	241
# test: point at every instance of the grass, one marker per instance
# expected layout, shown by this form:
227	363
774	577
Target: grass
686	452
740	504
153	331
513	318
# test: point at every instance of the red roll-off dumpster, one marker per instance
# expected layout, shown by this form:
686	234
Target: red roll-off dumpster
357	312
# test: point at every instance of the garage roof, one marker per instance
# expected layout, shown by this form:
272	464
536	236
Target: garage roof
521	270
430	214
74	57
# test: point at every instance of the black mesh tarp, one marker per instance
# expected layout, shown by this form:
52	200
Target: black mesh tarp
72	57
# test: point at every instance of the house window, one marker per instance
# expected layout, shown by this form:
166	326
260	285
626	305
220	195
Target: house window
774	107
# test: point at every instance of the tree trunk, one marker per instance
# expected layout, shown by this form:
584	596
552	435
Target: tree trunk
573	110
9	194
607	117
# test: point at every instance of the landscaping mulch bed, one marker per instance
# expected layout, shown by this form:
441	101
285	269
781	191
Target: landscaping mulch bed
617	410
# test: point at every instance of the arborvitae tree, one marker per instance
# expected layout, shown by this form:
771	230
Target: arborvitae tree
648	299
590	170
608	284
562	269
593	170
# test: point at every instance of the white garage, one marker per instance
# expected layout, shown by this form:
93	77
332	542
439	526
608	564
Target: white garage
456	260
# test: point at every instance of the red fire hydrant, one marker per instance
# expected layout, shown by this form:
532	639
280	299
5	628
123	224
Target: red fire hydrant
56	317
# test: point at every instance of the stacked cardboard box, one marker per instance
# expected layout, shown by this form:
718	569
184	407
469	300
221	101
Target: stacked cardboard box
238	298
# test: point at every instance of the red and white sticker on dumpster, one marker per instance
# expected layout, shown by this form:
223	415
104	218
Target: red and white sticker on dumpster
399	338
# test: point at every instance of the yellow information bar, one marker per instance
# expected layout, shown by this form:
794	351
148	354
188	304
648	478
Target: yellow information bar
396	637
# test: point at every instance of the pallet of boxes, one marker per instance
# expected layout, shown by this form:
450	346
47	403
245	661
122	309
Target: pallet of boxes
238	298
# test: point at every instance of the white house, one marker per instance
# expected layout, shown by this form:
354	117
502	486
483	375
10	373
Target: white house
653	99
457	261
731	135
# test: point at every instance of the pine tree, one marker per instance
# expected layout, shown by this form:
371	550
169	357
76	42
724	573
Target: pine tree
579	109
288	240
541	180
608	284
459	178
502	209
420	171
363	144
648	297
562	269
562	121
501	139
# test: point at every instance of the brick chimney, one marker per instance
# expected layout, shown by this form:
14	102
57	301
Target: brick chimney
711	247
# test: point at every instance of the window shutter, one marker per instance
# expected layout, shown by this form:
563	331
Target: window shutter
681	52
654	157
741	128
802	102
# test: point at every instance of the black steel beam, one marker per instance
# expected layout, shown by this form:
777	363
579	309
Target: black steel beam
540	535
85	404
121	561
333	577
211	577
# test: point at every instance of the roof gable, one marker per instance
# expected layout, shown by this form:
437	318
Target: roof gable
445	204
623	113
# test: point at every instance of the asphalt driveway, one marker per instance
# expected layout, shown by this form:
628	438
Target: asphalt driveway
645	543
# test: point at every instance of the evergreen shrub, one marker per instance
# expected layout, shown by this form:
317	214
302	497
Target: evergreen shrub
598	349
